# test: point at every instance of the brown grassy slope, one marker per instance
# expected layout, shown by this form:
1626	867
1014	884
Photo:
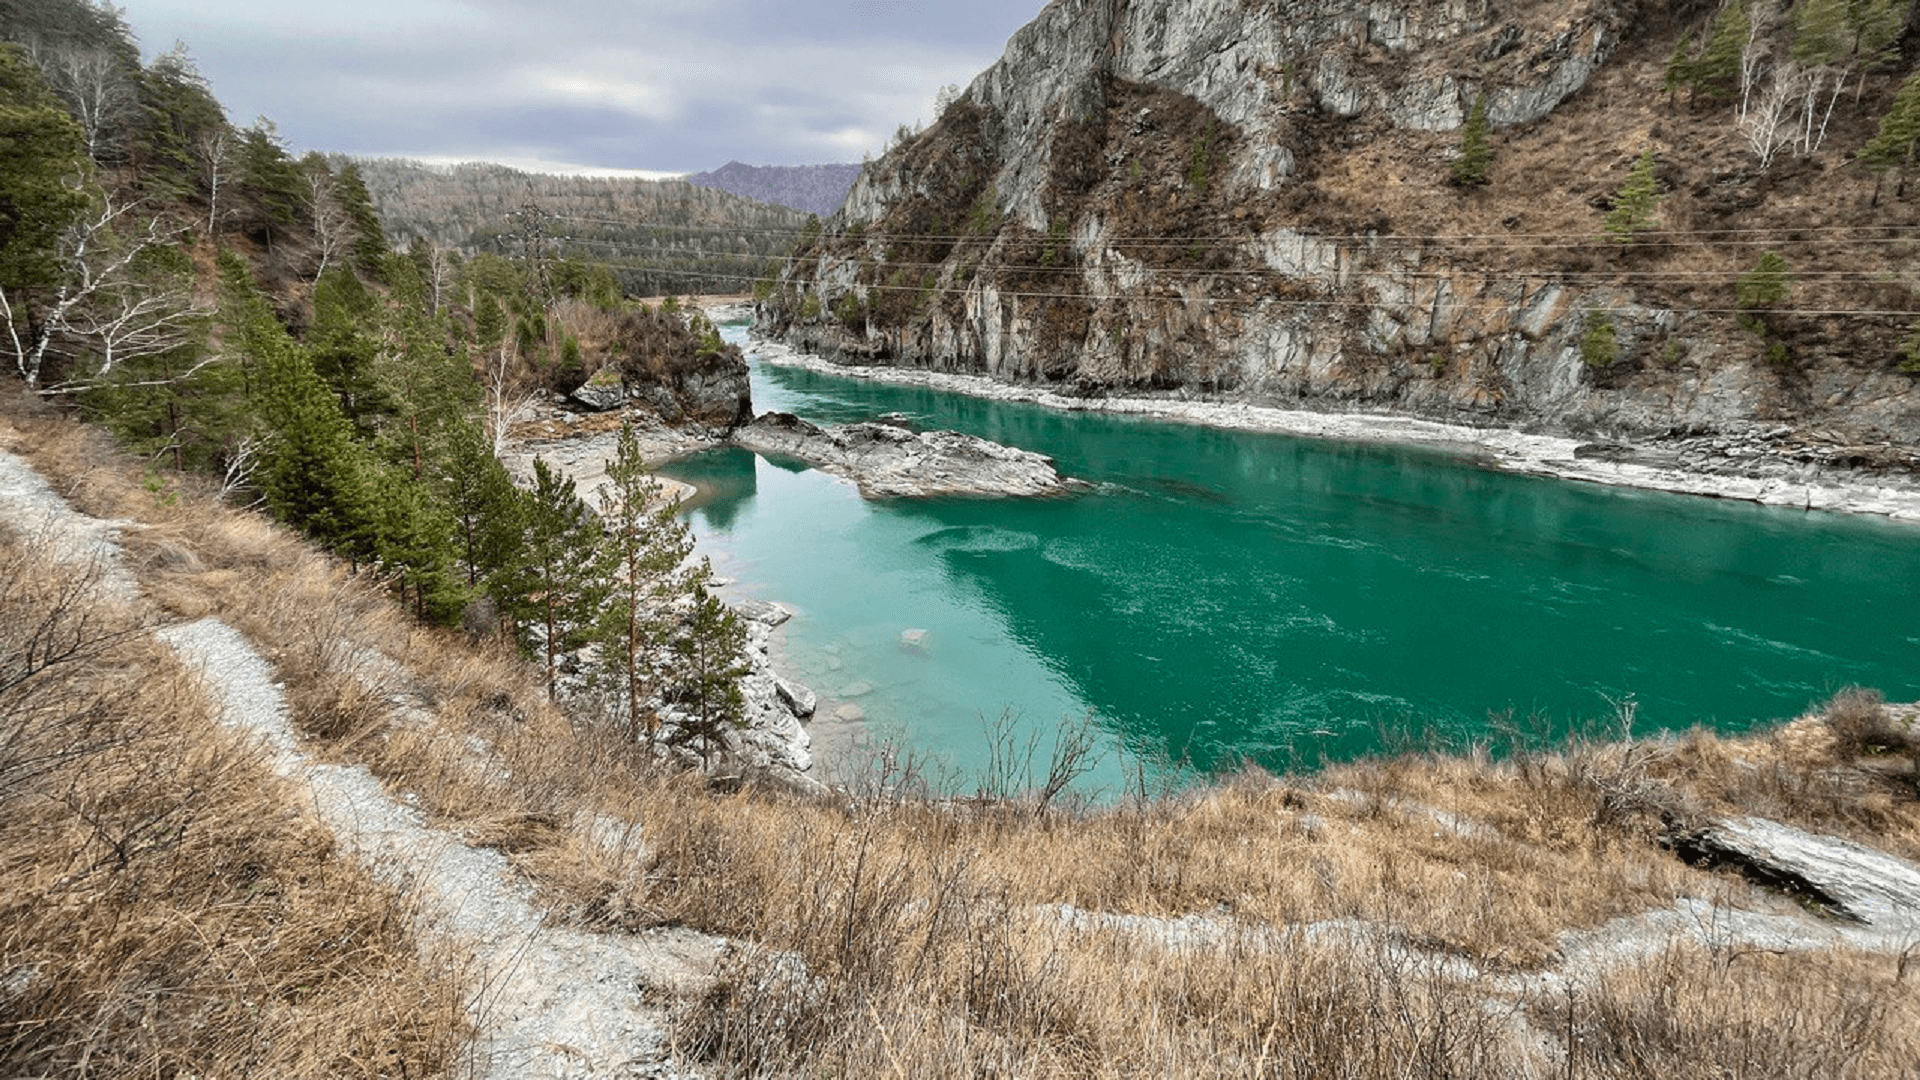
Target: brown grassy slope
166	907
902	937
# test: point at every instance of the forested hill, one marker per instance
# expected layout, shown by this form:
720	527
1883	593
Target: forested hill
659	236
228	310
818	189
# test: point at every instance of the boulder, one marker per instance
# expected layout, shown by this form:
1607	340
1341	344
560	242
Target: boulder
600	395
761	611
797	698
1851	881
913	639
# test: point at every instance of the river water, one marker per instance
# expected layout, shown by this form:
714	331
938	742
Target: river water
1224	595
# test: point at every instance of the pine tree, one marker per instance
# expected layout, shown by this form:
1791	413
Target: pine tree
426	384
343	343
1476	154
413	543
41	176
706	681
648	543
480	499
370	248
560	582
1717	71
1633	206
1898	136
1599	345
1680	67
315	476
1763	286
267	176
179	113
1822	32
1910	350
1877	25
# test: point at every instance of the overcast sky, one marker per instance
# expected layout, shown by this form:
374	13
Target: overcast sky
660	85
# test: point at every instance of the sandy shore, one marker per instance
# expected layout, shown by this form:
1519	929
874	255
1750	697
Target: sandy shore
1805	488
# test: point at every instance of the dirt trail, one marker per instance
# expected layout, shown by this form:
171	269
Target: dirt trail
545	1002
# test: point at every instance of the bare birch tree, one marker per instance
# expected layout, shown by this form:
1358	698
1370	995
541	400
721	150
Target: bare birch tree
332	226
94	87
102	309
213	150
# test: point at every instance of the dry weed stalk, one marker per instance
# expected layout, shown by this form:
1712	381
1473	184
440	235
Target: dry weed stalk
166	908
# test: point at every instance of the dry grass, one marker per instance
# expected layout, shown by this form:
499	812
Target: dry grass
891	936
166	909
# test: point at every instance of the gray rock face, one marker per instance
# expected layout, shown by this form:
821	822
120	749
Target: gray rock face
1350	319
1851	880
891	462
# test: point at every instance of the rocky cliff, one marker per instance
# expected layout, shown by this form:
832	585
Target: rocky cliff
1259	202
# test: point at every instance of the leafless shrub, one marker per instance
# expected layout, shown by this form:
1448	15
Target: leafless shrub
1864	726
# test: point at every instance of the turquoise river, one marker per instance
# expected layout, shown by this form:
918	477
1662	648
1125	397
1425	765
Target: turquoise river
1224	595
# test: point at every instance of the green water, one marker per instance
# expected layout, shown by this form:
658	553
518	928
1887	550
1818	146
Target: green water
1228	594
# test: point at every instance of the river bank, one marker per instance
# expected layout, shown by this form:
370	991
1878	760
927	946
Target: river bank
1778	467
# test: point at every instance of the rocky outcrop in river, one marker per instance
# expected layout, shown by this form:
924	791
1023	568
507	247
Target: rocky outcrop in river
888	461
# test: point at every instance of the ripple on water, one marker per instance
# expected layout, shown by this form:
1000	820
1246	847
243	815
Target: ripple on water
1766	644
978	539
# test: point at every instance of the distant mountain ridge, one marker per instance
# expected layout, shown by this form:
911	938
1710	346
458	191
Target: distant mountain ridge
817	189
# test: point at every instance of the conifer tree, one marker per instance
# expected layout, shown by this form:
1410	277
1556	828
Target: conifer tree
559	584
1717	71
1899	135
484	507
413	543
648	542
179	116
1910	350
1822	31
343	343
1680	67
427	385
41	176
268	177
706	680
1476	154
1599	345
1763	286
370	248
1877	25
313	473
1633	206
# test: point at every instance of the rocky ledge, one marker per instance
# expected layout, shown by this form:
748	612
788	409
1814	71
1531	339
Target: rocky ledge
888	460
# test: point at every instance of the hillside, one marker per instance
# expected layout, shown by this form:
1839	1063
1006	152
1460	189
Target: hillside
1271	207
662	237
816	189
306	835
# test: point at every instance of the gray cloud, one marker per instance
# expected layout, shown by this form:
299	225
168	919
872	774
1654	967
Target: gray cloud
664	85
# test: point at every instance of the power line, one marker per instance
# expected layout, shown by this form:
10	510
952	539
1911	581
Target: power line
1728	277
1482	303
1750	236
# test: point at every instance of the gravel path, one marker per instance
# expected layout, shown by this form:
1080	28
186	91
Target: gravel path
545	1002
38	511
550	1002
